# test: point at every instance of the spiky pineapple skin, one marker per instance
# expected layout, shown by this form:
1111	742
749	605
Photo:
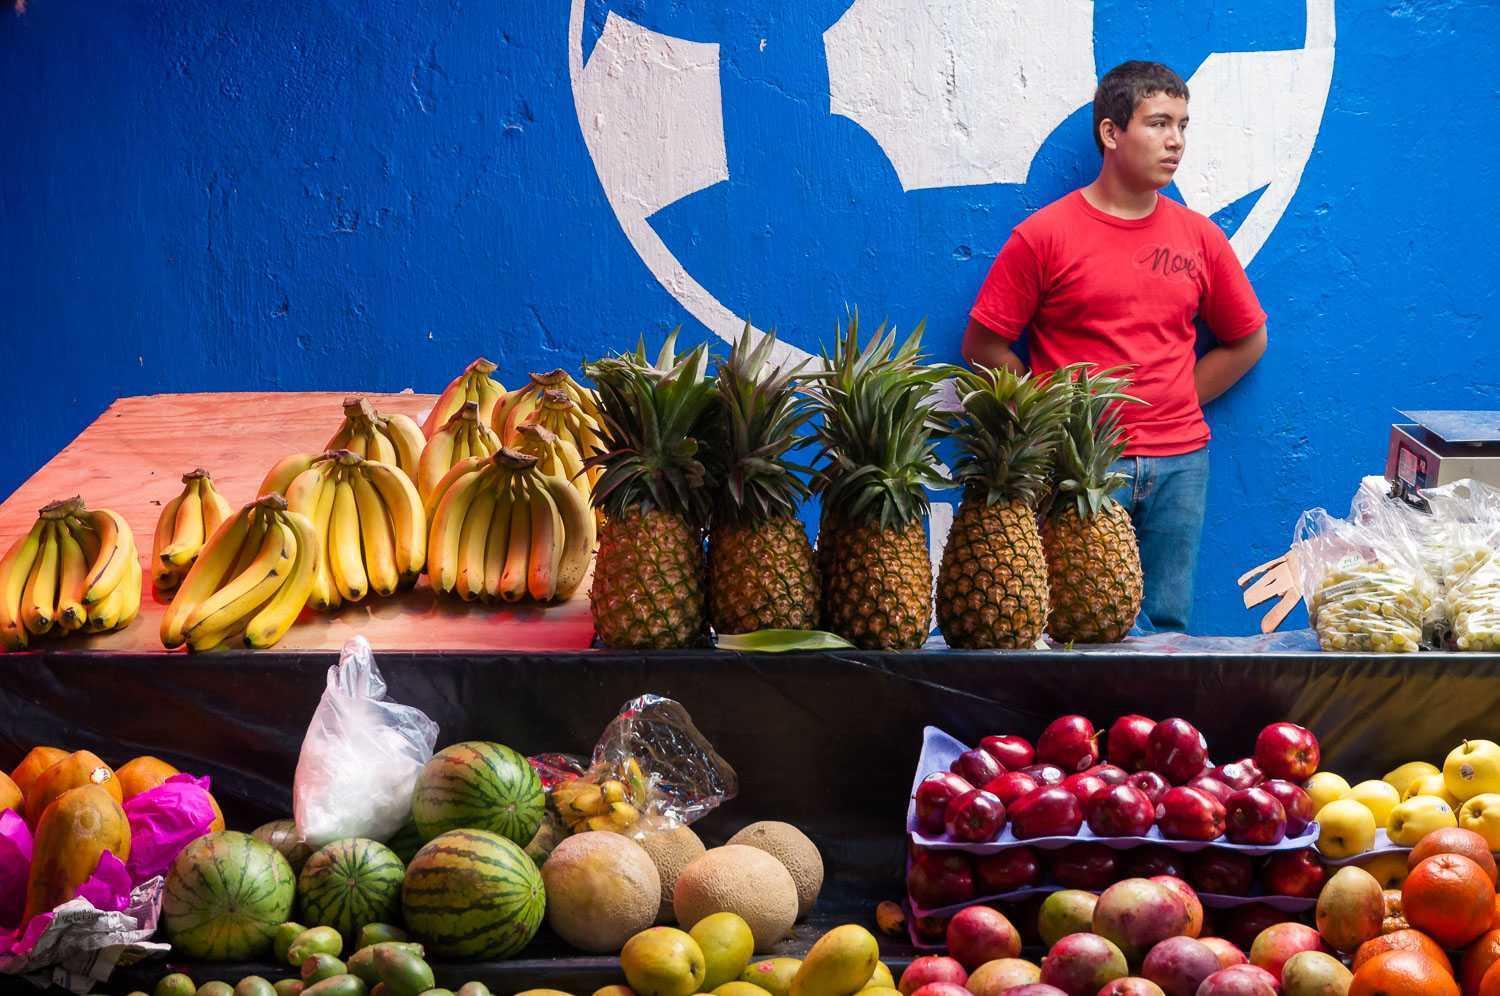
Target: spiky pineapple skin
1094	574
877	585
761	576
648	591
992	585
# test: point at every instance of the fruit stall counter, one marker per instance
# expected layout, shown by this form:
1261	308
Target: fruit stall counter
131	459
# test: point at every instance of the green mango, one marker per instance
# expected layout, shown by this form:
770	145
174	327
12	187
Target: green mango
403	973
339	985
473	989
376	933
254	985
216	989
282	940
362	962
320	967
289	987
313	941
176	984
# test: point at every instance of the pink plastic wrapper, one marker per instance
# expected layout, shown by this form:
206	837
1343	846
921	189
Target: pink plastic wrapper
15	865
163	821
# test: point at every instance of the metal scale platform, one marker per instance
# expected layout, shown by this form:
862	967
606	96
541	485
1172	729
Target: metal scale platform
1441	447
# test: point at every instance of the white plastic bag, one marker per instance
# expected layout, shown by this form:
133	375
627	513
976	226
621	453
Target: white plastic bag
361	756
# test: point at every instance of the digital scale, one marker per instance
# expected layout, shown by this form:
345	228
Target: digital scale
1442	447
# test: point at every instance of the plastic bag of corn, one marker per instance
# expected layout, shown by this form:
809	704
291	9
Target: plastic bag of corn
1365	588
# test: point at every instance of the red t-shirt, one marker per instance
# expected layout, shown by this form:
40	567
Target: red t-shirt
1098	289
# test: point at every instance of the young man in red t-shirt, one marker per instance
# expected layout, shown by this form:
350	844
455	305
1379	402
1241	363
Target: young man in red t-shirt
1115	274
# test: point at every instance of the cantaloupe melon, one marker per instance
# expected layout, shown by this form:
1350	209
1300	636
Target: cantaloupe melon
671	851
793	849
739	879
602	889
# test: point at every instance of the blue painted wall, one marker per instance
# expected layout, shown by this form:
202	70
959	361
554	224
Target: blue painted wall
364	196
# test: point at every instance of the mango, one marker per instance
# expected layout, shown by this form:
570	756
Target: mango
663	961
376	933
727	944
315	941
402	973
316	968
282	940
338	985
1350	908
362	962
254	985
175	984
289	987
774	975
840	962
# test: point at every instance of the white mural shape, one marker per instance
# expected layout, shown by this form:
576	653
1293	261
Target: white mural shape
958	94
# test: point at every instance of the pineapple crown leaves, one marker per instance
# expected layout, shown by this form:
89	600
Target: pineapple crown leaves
761	415
879	425
1007	428
657	417
1092	440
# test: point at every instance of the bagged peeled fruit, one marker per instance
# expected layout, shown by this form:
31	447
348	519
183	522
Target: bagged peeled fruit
1365	587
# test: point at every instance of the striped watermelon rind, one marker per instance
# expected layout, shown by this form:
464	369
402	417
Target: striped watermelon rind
350	883
225	895
478	786
406	842
473	894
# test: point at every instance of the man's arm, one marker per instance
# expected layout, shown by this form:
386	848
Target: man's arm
1220	367
984	347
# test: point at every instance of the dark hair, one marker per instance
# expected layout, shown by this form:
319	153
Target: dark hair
1125	86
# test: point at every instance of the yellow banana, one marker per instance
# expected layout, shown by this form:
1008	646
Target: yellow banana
116	550
164	577
469	580
408	520
356	445
215	508
325	594
187	529
579	534
249	549
378	447
15	569
273	620
120	607
437	455
462	439
343	542
376	534
73	568
39	601
206	575
520	404
457	471
474	384
285	472
447	526
406	436
131	586
496	543
546	543
230	607
518	543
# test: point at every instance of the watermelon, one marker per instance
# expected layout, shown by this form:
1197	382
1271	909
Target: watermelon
406	842
350	883
225	896
282	835
473	894
478	786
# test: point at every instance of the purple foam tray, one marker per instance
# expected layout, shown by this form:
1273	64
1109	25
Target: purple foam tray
939	750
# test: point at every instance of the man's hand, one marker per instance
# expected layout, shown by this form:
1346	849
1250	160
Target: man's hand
985	348
1220	367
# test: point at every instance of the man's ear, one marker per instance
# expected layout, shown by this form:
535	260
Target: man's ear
1109	134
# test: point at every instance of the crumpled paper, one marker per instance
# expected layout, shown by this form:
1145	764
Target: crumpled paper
163	821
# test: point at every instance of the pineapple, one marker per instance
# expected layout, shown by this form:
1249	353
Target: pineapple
648	589
760	565
992	586
877	443
1093	563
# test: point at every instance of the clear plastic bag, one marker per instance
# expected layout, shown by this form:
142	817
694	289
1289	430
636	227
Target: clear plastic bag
651	770
1364	583
361	756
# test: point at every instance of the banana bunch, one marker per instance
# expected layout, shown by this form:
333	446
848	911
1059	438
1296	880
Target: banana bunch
474	384
280	477
555	455
521	404
464	435
75	570
250	581
185	524
613	804
394	438
502	529
371	530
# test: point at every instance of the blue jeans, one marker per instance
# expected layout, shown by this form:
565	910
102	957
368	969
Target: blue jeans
1165	497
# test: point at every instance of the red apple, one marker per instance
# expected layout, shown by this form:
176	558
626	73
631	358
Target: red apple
1189	899
933	795
1221	873
1085	866
1151	783
1050	811
1070	743
1241	774
1179	965
1137	913
976	766
1126	741
978	934
1278	942
928	969
1047	774
1296	803
1084	785
1176	749
1081	964
1289	751
1132	986
1012	785
941	989
1253	816
1294	873
1112	774
1188	814
1121	811
976	817
940	878
1008	870
1149	862
1228	954
1239	980
1012	752
1211	785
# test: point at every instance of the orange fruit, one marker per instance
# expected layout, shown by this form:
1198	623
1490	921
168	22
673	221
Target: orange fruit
33	764
1454	840
10	794
1489	985
142	774
1401	940
1449	897
1477	961
1402	973
1495	923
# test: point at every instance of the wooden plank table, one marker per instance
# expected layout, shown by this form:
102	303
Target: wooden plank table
132	459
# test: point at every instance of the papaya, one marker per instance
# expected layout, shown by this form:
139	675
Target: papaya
142	774
73	832
77	769
10	795
33	764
